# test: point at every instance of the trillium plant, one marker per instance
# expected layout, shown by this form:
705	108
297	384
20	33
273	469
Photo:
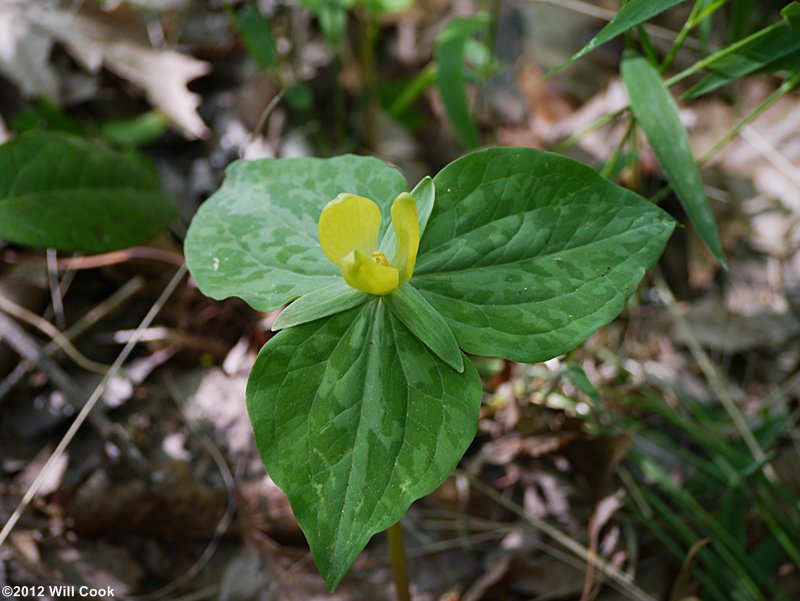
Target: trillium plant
365	400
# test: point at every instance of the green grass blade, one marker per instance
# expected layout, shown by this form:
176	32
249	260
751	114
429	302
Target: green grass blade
632	14
770	52
791	13
450	75
256	35
657	113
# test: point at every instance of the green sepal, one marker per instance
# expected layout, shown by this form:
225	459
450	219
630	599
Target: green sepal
320	303
354	419
425	322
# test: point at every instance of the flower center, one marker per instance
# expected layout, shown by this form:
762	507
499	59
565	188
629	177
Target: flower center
379	258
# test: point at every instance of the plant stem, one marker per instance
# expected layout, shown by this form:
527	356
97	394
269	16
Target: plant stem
684	32
709	60
397	553
369	75
409	94
597	124
786	87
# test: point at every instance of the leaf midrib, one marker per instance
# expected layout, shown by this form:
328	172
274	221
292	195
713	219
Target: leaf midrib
535	257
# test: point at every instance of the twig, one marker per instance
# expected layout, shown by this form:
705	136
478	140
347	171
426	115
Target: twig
44	326
121	256
87	408
714	378
55	288
92	317
224	522
27	348
262	120
618	577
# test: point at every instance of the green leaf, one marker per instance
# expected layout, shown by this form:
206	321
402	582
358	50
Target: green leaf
386	6
766	52
527	253
61	191
425	323
137	131
630	15
256	35
657	114
424	194
355	419
332	16
320	303
450	75
256	237
791	13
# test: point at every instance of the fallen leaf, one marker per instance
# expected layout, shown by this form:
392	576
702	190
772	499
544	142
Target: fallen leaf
162	74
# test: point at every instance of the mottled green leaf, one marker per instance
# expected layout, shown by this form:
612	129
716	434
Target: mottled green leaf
657	114
61	191
320	303
527	253
630	15
425	323
354	419
450	75
256	237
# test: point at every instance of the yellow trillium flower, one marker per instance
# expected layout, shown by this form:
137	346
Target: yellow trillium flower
348	234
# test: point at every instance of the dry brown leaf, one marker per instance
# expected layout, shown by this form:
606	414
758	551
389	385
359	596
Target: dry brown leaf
161	74
25	54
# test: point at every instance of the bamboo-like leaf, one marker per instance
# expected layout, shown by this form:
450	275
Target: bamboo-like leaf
630	15
791	13
256	35
450	75
768	51
657	114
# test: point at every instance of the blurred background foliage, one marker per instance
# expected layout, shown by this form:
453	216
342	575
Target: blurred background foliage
660	460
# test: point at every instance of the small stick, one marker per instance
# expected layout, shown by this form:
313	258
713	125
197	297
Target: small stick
95	315
121	256
90	404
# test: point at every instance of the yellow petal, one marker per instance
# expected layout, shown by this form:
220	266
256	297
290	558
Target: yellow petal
406	230
363	273
349	223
